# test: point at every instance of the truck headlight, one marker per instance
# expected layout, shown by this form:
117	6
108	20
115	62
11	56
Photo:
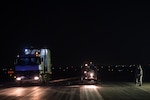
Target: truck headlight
91	74
36	78
85	72
18	78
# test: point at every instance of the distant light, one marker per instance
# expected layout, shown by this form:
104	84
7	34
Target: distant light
10	72
86	64
27	51
119	70
37	53
85	72
91	75
4	69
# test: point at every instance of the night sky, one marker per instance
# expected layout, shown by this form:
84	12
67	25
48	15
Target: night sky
75	32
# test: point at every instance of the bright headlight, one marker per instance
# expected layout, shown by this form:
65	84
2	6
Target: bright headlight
91	74
36	78
18	78
85	72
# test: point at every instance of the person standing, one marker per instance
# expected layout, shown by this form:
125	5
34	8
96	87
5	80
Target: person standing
139	75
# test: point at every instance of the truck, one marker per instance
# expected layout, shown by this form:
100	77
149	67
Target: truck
89	73
33	66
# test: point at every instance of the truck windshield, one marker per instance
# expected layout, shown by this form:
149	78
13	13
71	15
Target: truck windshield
28	61
26	73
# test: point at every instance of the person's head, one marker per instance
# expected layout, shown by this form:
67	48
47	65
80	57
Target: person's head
139	66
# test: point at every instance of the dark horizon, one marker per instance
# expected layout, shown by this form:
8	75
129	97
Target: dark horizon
75	32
